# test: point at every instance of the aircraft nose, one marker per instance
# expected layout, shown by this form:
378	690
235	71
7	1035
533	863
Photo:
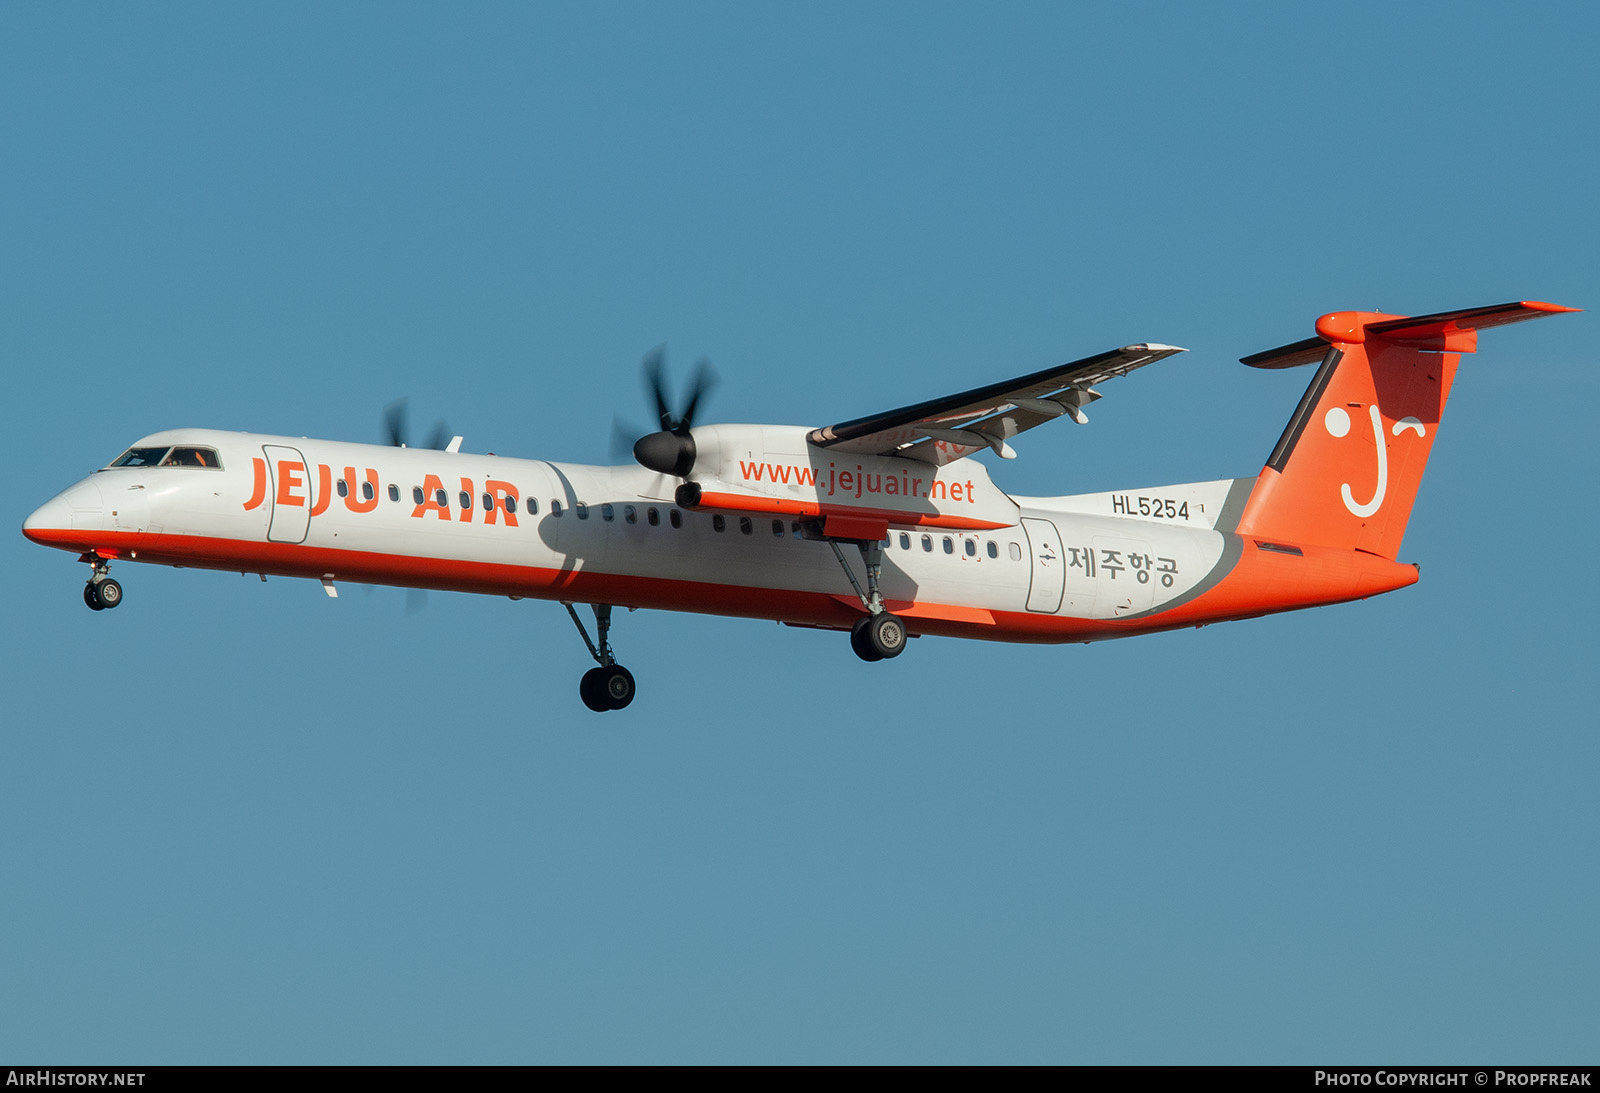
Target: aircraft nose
79	508
53	515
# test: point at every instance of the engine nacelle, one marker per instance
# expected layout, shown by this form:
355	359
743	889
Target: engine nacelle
773	471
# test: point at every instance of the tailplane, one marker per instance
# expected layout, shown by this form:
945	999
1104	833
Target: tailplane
1346	470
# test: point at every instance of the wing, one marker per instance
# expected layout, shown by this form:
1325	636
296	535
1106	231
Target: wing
946	429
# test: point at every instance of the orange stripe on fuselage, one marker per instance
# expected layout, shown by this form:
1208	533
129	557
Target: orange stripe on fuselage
785	506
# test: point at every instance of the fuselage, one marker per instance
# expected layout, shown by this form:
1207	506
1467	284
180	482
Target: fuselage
1061	569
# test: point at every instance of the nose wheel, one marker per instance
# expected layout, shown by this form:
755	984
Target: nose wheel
101	593
609	686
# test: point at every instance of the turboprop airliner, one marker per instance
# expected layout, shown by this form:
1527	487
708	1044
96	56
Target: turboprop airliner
882	526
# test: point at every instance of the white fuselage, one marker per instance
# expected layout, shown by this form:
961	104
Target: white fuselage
531	528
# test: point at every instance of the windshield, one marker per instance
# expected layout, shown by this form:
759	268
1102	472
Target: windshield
193	457
139	457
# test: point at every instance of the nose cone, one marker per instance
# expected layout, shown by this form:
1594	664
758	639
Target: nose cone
66	516
53	515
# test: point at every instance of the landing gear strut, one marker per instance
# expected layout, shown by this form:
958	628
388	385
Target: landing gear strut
101	593
878	635
608	686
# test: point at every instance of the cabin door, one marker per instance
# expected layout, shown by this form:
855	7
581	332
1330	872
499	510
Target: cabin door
1047	567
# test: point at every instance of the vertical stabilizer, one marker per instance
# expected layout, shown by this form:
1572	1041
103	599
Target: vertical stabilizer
1346	470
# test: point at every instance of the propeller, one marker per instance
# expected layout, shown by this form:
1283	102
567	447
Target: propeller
396	432
394	428
671	450
416	598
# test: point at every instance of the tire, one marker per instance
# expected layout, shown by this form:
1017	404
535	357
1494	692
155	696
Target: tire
616	687
861	643
887	635
91	599
108	592
592	692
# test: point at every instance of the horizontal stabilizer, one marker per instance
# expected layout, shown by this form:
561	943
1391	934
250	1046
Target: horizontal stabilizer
1425	330
1444	332
1288	356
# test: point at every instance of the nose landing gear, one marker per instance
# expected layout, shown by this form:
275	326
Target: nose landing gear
608	686
101	593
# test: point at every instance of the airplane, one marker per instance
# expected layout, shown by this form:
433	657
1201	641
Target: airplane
882	526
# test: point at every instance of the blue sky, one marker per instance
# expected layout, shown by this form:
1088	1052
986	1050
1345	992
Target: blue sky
240	822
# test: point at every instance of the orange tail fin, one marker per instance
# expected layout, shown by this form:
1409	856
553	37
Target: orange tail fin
1346	470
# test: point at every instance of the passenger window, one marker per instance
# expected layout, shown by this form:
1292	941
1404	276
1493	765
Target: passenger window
416	494
972	548
745	526
607	513
342	487
949	547
630	515
488	502
652	516
511	504
675	518
1015	551
394	492
466	499
927	543
555	508
777	529
905	541
994	551
581	509
443	498
533	505
717	522
366	491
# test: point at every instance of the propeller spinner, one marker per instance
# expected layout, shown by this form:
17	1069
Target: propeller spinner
671	451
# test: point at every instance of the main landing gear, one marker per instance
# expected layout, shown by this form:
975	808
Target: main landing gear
608	686
101	593
877	635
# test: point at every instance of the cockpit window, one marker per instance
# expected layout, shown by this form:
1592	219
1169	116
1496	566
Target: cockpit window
193	457
139	457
